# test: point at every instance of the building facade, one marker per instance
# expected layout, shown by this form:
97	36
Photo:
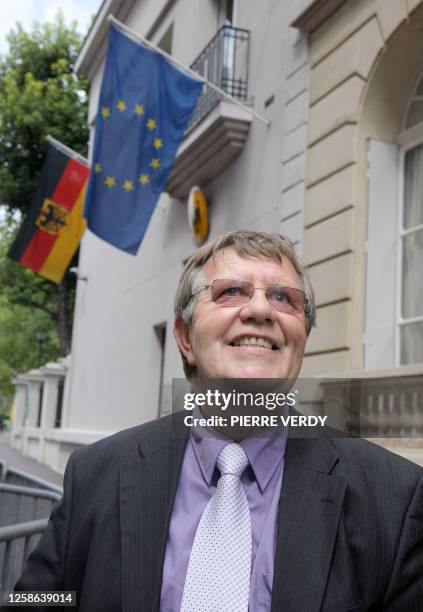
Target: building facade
338	169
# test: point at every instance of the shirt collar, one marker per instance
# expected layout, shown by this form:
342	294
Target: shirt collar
264	452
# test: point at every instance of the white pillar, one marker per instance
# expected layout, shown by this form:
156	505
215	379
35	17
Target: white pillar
18	412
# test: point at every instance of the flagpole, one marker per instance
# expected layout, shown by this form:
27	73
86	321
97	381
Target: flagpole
121	26
66	150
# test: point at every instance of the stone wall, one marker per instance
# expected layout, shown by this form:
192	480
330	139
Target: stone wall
343	56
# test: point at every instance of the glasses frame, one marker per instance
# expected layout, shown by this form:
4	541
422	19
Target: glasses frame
266	290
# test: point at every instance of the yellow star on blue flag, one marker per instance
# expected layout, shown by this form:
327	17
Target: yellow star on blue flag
140	124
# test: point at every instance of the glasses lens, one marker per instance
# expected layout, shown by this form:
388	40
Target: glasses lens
229	292
286	299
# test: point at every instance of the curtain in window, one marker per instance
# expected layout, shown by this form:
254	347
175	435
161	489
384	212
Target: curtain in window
413	188
412	258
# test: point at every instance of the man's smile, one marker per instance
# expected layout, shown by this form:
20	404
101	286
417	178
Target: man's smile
256	341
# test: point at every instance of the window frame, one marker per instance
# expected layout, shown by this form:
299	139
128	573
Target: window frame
408	139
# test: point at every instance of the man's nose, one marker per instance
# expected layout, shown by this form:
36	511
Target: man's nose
258	308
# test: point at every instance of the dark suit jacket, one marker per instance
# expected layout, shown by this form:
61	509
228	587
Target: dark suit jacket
350	526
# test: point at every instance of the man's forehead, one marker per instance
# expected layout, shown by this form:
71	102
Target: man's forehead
228	261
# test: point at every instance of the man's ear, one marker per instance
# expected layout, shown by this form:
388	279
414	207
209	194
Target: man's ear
182	335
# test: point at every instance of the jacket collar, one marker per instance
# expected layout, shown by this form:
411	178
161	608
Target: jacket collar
147	491
309	512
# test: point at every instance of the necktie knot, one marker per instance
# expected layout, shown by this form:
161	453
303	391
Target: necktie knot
232	460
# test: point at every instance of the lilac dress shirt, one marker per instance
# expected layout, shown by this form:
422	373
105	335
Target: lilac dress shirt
262	482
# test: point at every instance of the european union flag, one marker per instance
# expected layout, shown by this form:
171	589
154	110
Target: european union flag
144	109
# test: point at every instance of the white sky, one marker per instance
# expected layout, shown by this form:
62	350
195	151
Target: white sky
27	11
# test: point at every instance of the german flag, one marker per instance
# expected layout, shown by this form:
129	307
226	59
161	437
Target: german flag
52	231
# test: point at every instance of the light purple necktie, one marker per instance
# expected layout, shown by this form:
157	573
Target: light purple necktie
218	575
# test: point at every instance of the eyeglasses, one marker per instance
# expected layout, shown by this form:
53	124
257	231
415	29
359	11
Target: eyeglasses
230	292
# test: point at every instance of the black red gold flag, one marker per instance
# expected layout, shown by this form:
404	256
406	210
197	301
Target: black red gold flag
53	228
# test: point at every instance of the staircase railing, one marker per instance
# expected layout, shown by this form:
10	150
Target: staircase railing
16	542
25	503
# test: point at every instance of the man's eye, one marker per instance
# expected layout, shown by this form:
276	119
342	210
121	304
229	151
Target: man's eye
280	296
233	291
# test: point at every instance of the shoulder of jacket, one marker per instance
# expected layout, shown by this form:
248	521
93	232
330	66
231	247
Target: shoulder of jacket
120	447
372	462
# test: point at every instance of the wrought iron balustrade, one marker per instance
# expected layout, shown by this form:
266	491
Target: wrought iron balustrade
224	62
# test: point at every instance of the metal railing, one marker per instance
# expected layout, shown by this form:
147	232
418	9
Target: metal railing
16	542
20	504
15	476
224	62
27	507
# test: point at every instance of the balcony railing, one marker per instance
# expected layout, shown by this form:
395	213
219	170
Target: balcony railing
388	407
224	62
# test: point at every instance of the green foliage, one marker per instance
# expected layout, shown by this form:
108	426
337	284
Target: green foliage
19	349
39	95
19	286
20	324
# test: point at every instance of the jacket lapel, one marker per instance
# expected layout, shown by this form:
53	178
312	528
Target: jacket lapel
147	491
309	512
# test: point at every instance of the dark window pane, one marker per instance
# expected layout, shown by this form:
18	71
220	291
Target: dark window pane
412	343
412	275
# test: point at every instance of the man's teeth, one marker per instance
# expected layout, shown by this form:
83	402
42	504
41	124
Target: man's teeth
254	342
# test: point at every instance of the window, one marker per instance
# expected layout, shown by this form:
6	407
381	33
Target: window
394	246
410	319
227	18
409	339
166	41
226	12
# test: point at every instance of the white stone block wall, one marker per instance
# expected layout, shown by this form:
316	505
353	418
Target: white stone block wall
295	119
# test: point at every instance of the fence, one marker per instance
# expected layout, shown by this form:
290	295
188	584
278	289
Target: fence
20	504
224	62
16	542
18	477
25	502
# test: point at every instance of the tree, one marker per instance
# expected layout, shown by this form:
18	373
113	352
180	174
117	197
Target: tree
39	95
22	327
19	348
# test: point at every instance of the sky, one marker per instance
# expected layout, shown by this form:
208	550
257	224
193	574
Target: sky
27	11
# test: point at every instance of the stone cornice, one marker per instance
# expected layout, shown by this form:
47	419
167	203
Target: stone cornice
316	14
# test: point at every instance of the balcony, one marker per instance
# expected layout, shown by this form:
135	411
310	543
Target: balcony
223	62
385	406
218	129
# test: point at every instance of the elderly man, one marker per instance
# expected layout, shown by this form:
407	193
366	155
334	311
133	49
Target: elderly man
152	521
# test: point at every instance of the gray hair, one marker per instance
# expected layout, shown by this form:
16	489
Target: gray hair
253	244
